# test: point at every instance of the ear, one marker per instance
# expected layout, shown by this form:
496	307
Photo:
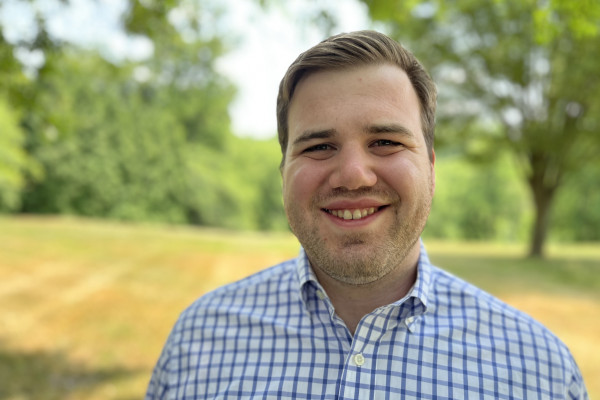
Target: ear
282	174
432	172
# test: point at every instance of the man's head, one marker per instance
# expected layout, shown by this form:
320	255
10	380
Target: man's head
354	49
358	173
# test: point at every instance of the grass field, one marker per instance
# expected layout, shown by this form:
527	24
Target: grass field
87	305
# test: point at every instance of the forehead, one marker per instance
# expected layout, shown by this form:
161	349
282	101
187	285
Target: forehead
372	93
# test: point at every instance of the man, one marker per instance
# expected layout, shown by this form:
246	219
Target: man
361	313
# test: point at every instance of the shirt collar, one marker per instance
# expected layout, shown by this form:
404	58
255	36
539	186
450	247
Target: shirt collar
307	279
422	286
419	292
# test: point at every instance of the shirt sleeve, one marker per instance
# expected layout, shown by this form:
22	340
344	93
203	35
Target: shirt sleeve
159	382
577	389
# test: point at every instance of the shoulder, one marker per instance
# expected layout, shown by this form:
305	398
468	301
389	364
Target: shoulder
495	341
268	281
232	310
461	299
490	320
231	315
250	295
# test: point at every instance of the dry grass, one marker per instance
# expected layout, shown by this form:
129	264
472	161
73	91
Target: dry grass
87	305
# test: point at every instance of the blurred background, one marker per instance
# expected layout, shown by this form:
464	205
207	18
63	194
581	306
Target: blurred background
139	166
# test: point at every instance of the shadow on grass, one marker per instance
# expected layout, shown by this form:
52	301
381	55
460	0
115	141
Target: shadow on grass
49	376
512	273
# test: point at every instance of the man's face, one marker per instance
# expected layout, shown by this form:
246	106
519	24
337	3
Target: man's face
357	180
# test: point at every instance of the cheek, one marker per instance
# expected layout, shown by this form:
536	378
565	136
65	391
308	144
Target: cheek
301	182
405	177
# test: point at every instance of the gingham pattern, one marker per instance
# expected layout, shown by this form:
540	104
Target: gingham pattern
275	335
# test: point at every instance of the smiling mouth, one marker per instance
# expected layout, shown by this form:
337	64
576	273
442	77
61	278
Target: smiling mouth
358	213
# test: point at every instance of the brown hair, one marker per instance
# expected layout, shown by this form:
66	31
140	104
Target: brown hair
357	49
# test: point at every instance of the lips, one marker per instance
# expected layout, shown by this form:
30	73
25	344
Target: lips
357	213
354	209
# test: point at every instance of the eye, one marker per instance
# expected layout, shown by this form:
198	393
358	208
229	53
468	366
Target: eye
317	148
321	151
385	143
386	147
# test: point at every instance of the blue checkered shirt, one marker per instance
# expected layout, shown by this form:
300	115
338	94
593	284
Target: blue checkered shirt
276	335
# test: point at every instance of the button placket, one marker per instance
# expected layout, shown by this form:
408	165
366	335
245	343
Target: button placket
364	338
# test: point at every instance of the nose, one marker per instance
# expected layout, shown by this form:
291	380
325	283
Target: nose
353	170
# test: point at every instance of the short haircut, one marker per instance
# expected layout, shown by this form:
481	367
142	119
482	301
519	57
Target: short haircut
354	49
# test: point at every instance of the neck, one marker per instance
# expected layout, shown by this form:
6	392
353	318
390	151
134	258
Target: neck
353	302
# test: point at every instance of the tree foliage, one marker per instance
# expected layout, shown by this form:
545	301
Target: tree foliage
136	140
151	140
13	159
480	203
520	75
104	152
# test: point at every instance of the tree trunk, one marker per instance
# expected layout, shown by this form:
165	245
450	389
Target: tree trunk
543	196
543	202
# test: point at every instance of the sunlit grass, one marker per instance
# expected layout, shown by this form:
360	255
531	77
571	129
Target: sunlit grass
505	268
87	305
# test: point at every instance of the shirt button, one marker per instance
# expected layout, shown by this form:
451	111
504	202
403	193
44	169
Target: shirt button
320	294
359	359
410	320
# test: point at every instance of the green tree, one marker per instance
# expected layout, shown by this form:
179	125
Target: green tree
104	151
521	74
115	139
238	187
143	140
577	212
13	159
483	203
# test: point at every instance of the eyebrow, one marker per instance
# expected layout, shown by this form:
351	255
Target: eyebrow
390	128
371	129
310	135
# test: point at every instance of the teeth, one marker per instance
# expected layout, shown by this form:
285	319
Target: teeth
352	214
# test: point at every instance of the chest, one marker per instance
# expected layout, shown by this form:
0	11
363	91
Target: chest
311	360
